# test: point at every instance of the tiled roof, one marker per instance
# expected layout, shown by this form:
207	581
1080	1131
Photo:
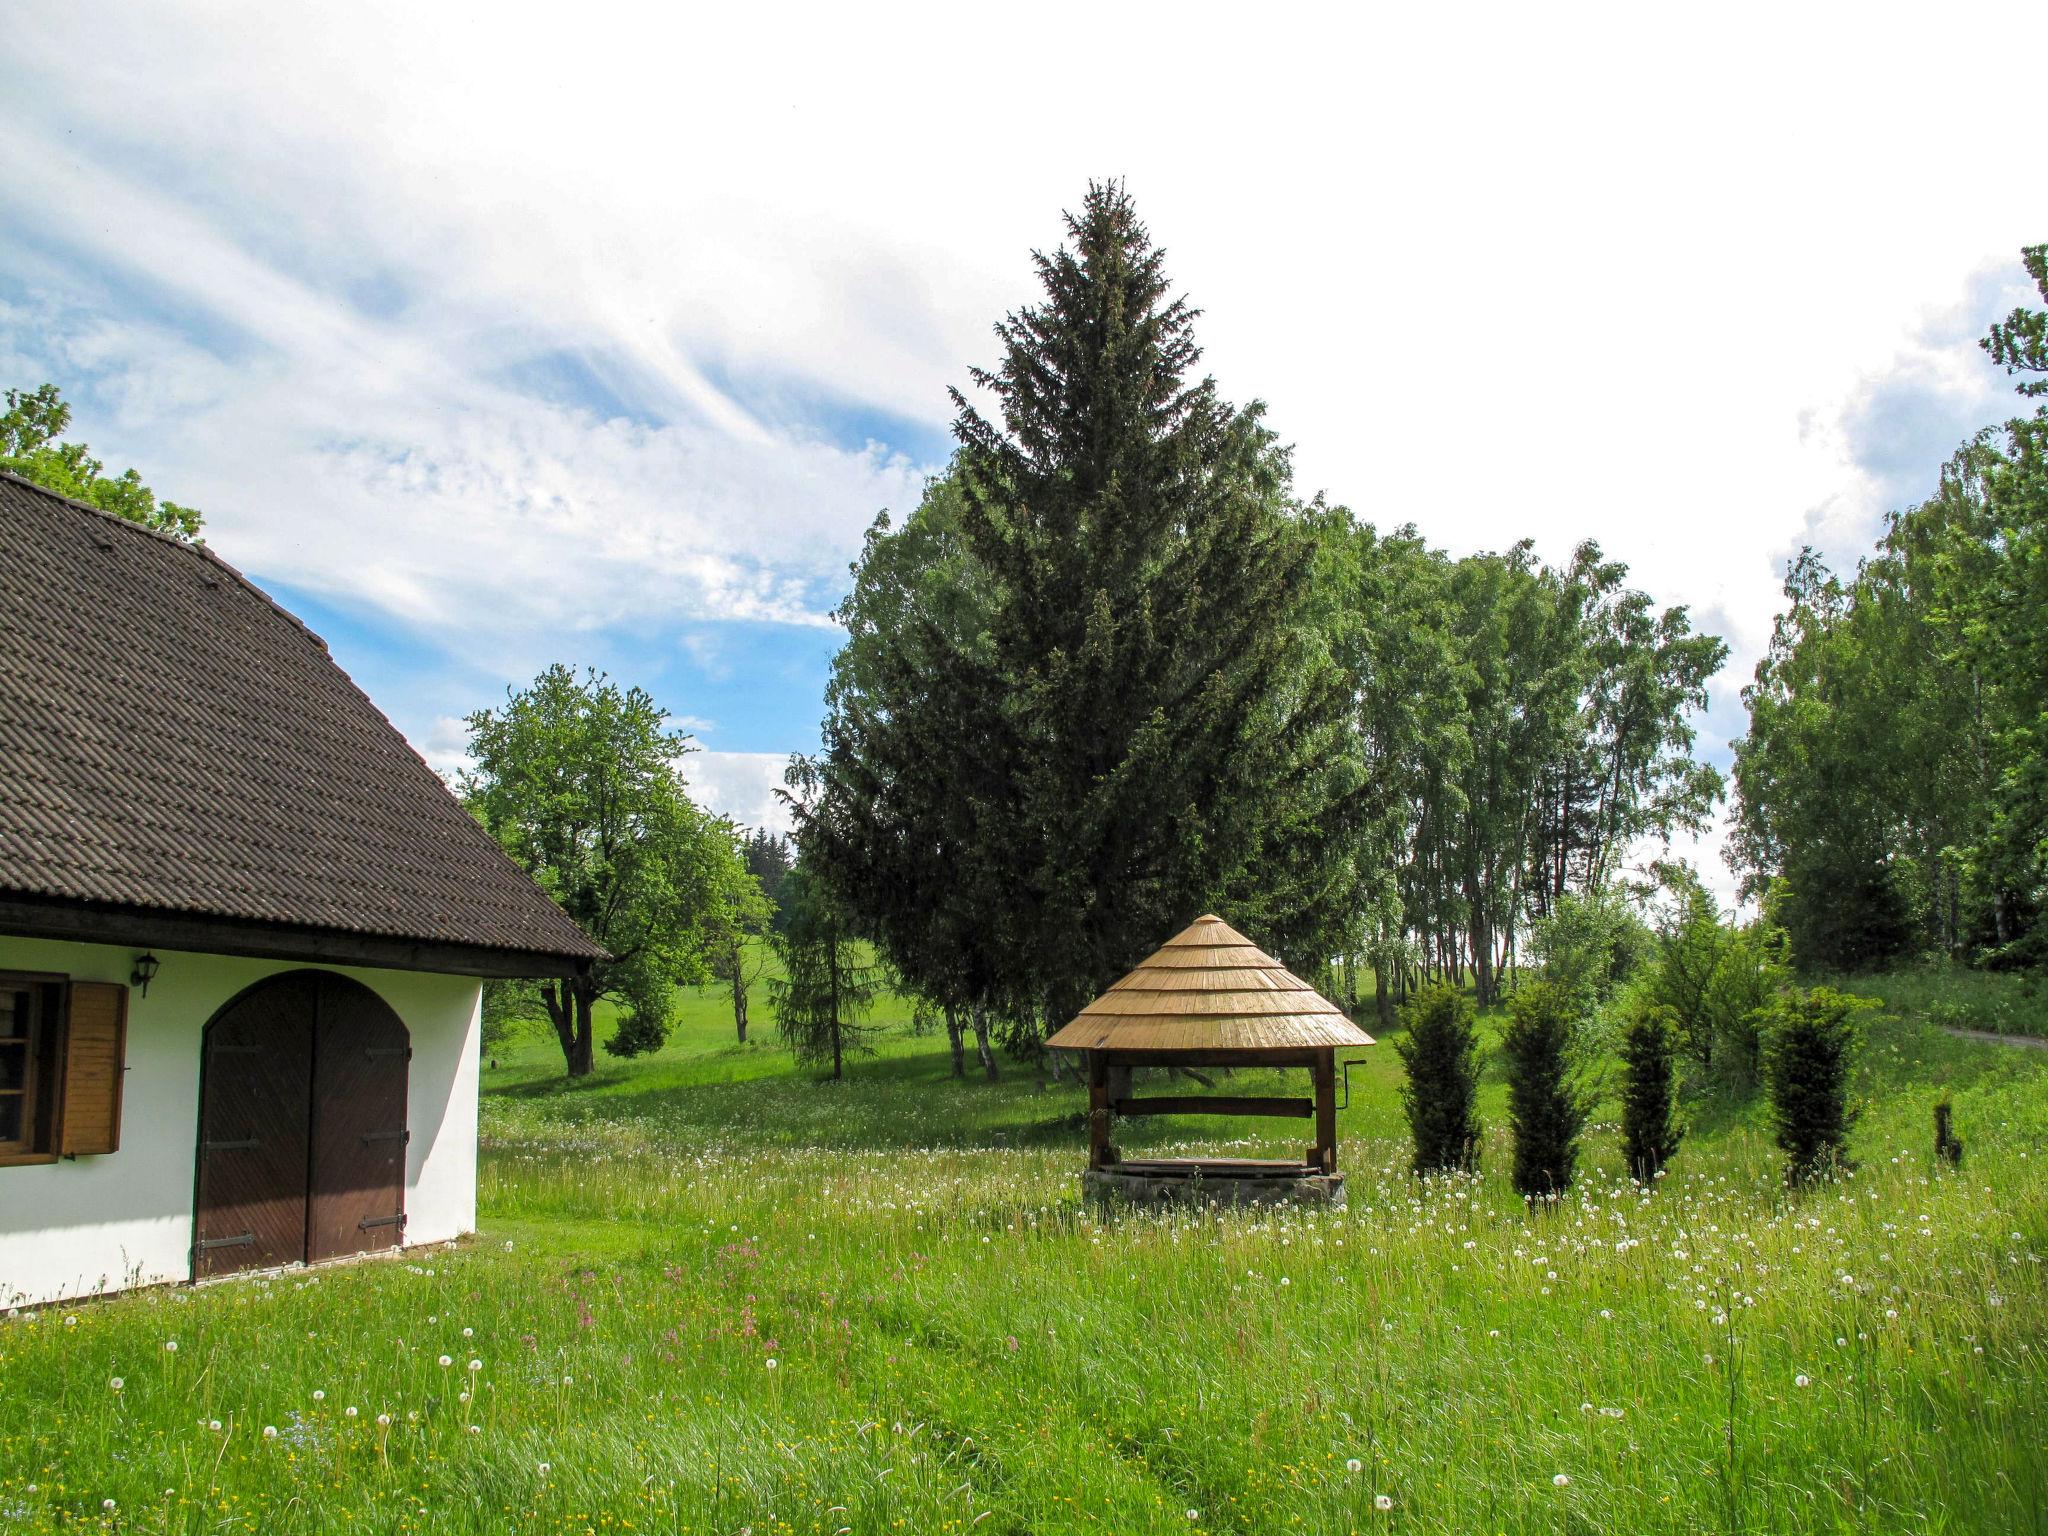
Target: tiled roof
171	739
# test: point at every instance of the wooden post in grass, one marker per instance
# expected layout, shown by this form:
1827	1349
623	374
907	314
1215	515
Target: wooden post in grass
1325	1069
1100	1151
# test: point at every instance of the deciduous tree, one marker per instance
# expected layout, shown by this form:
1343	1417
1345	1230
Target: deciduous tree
32	445
581	782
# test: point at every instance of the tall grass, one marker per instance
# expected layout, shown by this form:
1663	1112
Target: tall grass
1956	998
713	1296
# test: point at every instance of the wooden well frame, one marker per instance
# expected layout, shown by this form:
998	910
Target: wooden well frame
1104	1109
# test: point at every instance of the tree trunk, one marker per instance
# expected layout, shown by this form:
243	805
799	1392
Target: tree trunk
739	992
581	1057
957	1038
556	995
1482	966
569	1005
832	966
988	1057
1382	998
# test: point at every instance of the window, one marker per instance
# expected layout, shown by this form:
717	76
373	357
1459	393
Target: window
30	1009
62	1050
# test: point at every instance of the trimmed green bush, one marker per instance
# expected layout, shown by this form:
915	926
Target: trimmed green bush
1547	1099
1807	1052
1650	1132
1441	1094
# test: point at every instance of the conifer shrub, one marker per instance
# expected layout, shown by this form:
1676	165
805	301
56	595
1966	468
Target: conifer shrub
1441	1096
1650	1132
1548	1102
1807	1052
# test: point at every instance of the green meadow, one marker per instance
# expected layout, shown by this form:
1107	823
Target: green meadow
712	1294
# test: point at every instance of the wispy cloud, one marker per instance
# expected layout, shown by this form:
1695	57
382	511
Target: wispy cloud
602	337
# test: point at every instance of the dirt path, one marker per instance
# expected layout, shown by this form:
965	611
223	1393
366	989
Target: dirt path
2033	1042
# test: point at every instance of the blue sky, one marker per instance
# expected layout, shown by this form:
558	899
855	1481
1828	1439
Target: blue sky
485	346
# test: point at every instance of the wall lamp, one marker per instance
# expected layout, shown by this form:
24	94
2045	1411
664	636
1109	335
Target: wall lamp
145	972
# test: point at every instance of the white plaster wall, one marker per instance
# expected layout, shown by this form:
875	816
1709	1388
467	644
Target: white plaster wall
85	1225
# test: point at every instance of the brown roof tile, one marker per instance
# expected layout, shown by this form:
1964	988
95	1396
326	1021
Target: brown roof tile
172	739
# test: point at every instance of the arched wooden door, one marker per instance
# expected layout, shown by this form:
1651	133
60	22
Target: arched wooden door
357	1189
301	1126
255	1102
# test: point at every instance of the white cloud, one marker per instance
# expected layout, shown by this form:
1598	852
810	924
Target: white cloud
740	785
1634	275
446	747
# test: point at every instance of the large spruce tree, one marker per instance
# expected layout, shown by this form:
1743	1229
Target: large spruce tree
1170	738
1081	702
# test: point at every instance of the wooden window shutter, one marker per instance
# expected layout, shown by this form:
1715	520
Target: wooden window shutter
95	1049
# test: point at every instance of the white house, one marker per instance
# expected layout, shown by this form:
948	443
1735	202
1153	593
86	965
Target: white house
242	930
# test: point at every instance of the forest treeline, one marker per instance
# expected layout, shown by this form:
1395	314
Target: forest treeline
1113	671
1891	795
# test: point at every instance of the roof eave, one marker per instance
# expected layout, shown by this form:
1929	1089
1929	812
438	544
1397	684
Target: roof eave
88	922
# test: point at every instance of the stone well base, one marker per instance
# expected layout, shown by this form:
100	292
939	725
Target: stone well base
1196	1183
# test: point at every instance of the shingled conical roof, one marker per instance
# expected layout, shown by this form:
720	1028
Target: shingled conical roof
1208	989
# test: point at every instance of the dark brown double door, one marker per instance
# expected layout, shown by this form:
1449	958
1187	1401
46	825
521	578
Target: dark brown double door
301	1126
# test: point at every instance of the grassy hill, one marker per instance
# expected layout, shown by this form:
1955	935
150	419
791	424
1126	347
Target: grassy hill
713	1294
